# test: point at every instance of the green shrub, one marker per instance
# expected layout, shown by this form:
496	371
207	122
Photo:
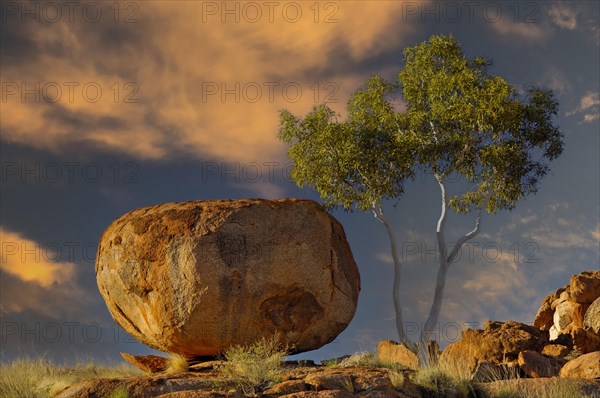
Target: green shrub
119	392
360	360
255	367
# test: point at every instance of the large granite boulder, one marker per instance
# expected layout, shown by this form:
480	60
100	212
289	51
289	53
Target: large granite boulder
197	277
498	342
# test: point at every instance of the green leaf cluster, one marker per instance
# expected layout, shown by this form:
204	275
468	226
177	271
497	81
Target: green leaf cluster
459	120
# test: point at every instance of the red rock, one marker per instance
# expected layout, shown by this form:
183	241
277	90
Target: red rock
586	366
534	364
147	363
390	352
287	387
498	342
583	340
199	277
585	287
591	321
555	350
544	317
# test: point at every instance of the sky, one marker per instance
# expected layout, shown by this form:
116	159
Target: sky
110	106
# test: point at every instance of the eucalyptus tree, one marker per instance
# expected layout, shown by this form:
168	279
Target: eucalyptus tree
467	123
460	121
357	163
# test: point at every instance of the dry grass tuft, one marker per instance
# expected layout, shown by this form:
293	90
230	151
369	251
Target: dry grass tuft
255	367
39	378
555	388
177	364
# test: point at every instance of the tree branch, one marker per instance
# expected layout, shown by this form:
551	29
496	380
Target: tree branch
378	212
470	235
441	224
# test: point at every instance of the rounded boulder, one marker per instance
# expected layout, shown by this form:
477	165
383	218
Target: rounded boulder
198	277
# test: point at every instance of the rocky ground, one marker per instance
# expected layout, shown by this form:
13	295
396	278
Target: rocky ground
299	380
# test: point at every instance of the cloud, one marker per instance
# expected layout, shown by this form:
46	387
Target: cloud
508	27
385	258
556	80
563	16
30	280
590	117
168	84
31	262
590	105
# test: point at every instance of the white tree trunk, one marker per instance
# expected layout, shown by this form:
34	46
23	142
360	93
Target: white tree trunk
378	212
445	261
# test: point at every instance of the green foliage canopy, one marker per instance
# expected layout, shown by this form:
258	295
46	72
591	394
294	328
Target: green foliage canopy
459	119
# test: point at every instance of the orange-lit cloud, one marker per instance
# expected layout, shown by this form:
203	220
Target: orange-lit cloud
31	262
182	81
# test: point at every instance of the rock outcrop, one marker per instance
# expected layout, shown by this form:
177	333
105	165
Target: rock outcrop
498	342
296	381
198	277
586	366
390	352
555	350
147	363
565	312
534	364
591	320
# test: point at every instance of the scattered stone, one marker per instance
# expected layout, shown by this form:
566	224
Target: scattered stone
498	342
150	386
591	320
299	362
199	277
534	364
334	361
567	314
555	350
287	387
206	366
330	381
584	341
335	394
373	381
586	366
585	287
564	339
544	317
567	308
200	394
390	352
147	363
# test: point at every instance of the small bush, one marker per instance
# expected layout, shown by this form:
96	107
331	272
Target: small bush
574	353
360	360
439	381
435	380
177	364
255	367
119	392
396	378
348	384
